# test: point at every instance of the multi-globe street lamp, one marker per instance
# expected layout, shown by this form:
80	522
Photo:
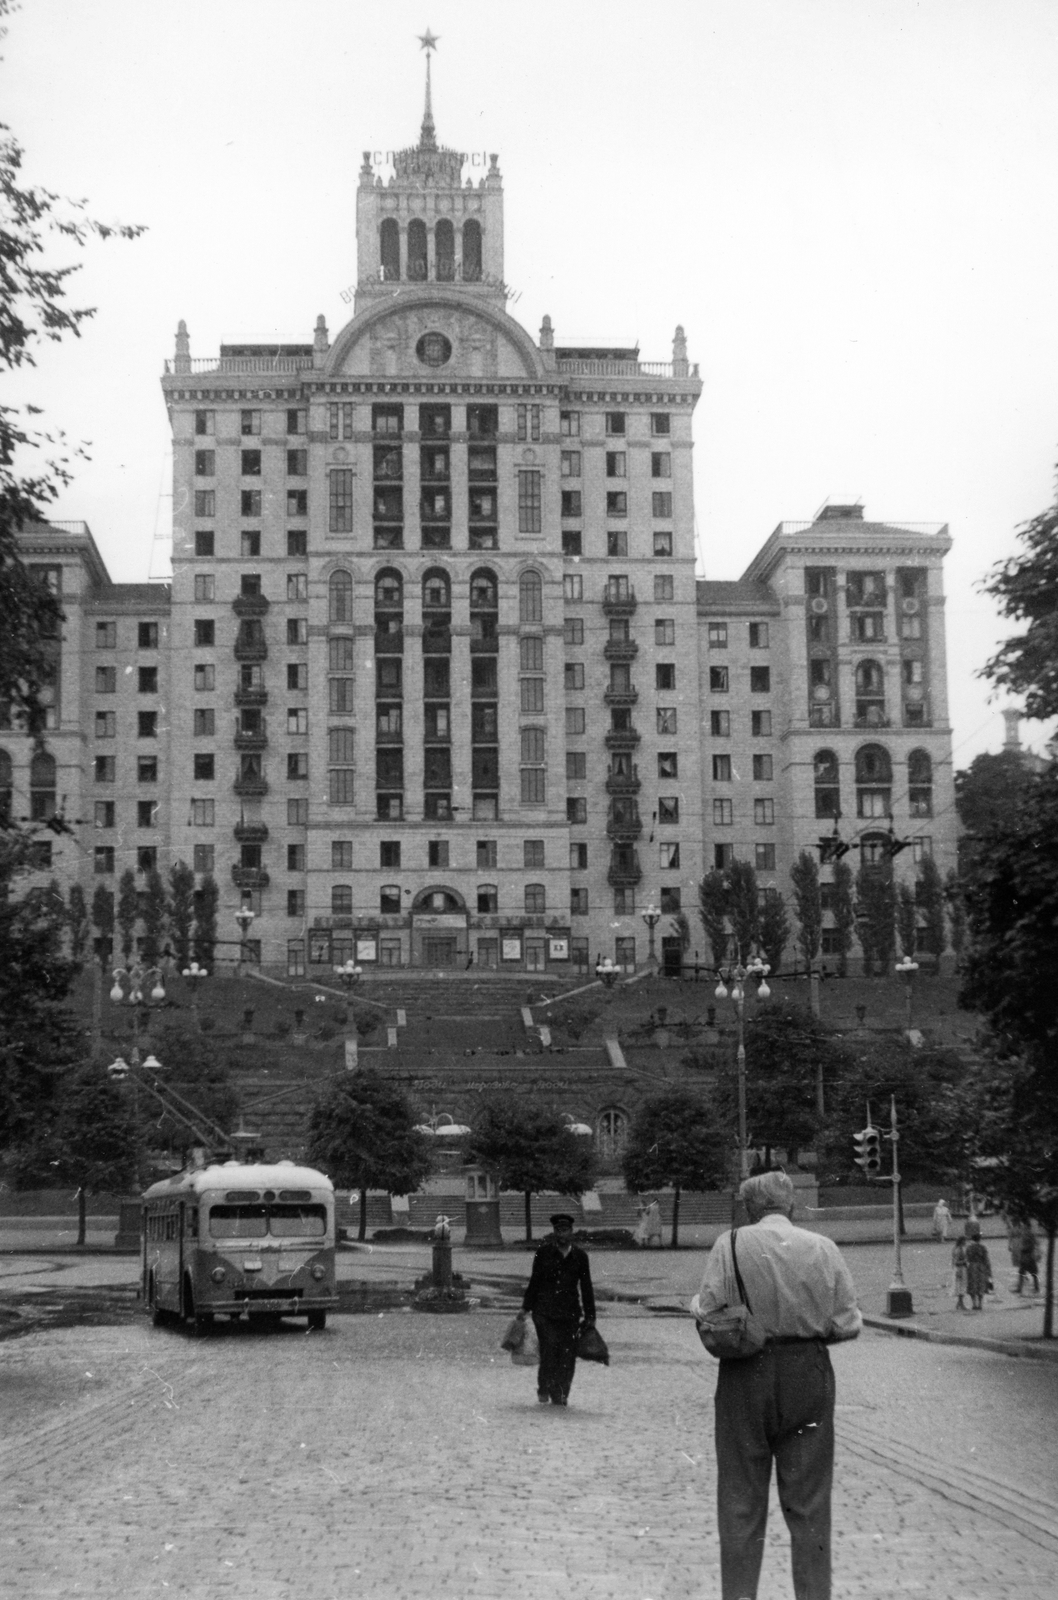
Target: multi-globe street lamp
607	971
907	969
651	916
193	975
245	918
737	977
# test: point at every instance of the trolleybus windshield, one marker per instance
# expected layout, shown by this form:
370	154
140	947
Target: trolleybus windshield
260	1221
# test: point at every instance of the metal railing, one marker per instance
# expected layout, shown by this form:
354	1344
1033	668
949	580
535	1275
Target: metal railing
221	364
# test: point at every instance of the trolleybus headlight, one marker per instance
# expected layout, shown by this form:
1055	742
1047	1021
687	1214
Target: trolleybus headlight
319	1272
217	1274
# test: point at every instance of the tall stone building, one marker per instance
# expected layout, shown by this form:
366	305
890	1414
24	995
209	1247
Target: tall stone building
435	684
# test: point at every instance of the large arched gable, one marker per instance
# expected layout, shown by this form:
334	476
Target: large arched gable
392	339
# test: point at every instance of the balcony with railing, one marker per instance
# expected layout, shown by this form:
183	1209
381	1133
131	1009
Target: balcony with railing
621	697
389	641
250	785
251	832
623	782
255	738
249	877
251	696
620	650
251	646
624	823
624	868
622	738
250	605
253	359
594	367
618	600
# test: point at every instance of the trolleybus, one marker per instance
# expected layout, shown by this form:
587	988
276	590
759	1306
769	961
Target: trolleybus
237	1239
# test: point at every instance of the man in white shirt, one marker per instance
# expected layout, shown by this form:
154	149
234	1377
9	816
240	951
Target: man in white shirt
779	1403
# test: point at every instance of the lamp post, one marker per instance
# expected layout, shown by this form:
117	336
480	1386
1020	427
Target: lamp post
607	971
194	975
907	968
651	916
737	977
348	974
133	987
245	918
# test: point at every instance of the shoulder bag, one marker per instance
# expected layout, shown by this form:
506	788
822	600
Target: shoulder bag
731	1333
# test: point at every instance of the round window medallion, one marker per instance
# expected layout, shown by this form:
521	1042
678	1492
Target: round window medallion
433	349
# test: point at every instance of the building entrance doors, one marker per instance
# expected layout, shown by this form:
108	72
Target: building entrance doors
439	950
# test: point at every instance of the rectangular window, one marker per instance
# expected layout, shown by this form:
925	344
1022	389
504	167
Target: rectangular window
297	502
616	464
104	813
297	420
758	636
572	542
718	636
578	902
204	768
483	422
296	857
723	813
534	786
571	463
762	769
297	675
297	463
251	464
205	423
298	719
575	722
147	769
342	855
203	542
340	695
668	764
297	764
250	423
204	586
532	694
572	586
205	677
760	724
573	631
340	421
578	857
106	635
664	675
205	632
340	493
577	810
664	586
106	725
205	463
204	724
298	630
106	680
202	813
529	502
147	725
721	769
297	813
720	724
105	769
146	813
388	854
662	544
147	680
718	680
249	544
571	503
764	857
660	464
670	901
576	764
295	908
616	503
437	853
666	718
103	858
668	810
617	542
205	503
573	674
760	680
668	857
569	424
615	423
764	813
660	424
532	746
661	503
297	542
486	853
531	654
665	630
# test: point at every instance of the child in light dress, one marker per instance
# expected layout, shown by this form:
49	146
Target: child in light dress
958	1261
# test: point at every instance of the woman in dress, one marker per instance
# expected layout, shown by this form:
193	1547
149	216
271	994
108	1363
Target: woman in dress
978	1266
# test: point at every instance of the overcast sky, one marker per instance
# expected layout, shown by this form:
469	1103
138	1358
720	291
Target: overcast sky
849	205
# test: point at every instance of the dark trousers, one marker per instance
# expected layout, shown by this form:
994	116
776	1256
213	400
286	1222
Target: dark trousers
558	1355
777	1405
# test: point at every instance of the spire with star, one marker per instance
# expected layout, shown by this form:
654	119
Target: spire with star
428	133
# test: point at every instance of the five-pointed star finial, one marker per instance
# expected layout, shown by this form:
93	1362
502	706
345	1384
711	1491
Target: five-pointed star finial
428	40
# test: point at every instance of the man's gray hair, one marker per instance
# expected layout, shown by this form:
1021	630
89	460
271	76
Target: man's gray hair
768	1191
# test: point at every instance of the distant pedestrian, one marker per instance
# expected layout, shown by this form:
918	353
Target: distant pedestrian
652	1225
978	1266
958	1261
941	1219
1028	1259
560	1298
778	1404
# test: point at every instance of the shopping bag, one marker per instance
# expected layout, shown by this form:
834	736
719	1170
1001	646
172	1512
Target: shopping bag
514	1338
591	1346
730	1333
529	1354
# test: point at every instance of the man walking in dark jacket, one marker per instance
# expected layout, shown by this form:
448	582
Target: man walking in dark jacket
559	1297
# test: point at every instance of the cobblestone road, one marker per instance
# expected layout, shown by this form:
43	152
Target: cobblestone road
402	1456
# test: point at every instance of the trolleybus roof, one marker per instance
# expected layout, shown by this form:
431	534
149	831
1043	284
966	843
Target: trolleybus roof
239	1175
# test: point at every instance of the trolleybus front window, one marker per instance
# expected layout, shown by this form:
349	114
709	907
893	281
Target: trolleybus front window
258	1221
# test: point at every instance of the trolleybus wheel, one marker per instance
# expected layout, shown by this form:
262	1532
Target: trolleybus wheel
317	1319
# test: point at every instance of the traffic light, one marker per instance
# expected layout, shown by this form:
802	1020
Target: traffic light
868	1144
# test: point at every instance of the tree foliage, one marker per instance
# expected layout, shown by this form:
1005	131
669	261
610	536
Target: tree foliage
906	917
90	1140
927	1084
743	908
195	1071
807	905
876	918
127	913
181	910
77	921
983	794
1025	588
204	938
712	908
362	1134
844	914
929	900
155	915
529	1148
787	1049
955	902
103	921
676	1141
774	929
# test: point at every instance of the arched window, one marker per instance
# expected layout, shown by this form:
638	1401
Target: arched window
42	786
611	1133
870	695
488	899
340	597
445	247
483	590
389	249
389	591
417	250
920	783
472	252
530	598
535	899
389	900
874	778
341	899
6	785
436	590
827	785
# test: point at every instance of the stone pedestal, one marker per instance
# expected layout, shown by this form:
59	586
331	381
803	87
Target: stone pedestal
898	1303
442	1263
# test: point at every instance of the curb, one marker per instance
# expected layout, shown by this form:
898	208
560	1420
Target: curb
1001	1347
